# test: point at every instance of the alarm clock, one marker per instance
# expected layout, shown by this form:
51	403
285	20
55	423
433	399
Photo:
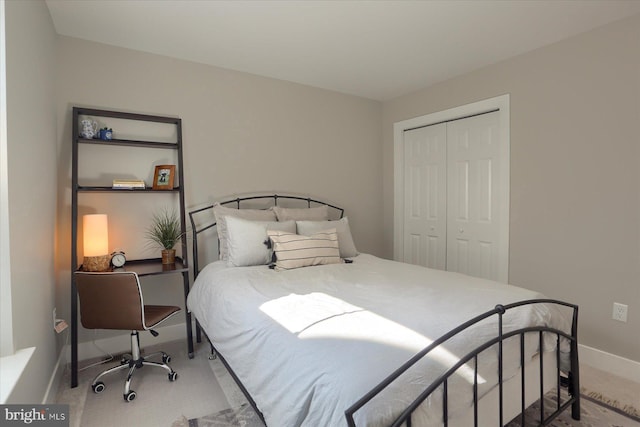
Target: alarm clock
118	259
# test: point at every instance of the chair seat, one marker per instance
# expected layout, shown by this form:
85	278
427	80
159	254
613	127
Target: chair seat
154	314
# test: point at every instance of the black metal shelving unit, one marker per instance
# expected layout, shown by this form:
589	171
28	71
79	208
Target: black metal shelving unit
146	267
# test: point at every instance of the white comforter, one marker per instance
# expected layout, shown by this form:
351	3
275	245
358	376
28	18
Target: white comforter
308	343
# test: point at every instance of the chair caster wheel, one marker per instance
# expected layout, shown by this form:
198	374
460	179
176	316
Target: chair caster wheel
166	358
98	387
130	396
173	376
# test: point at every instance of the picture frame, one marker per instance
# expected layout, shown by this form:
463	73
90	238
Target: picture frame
163	177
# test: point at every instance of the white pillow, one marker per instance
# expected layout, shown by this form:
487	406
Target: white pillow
294	251
222	212
319	213
248	240
347	246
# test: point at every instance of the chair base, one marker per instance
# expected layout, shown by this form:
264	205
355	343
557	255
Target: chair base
135	362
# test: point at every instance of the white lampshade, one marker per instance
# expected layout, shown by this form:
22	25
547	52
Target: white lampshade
95	235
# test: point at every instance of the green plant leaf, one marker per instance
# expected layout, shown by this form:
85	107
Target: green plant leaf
165	230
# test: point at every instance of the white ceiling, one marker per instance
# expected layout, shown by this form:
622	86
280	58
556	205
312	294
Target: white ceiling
374	49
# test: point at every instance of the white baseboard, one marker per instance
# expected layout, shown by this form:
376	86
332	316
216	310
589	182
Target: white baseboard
611	363
56	377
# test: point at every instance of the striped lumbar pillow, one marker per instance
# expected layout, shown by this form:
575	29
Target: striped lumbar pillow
294	251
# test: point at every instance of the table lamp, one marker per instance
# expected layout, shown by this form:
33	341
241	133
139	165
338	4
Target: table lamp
96	243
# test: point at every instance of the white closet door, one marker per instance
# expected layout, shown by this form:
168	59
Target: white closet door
425	201
473	177
451	206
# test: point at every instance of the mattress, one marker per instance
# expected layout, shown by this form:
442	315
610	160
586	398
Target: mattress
308	343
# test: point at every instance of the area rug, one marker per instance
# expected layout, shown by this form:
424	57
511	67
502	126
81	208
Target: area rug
594	413
243	416
596	410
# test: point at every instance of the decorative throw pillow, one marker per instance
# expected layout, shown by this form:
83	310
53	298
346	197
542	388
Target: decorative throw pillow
294	251
221	212
319	213
247	242
345	239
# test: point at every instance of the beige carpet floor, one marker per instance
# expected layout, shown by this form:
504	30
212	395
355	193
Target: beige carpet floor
616	391
205	392
159	401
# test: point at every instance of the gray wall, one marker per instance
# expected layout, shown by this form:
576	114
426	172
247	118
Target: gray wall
242	133
31	138
575	180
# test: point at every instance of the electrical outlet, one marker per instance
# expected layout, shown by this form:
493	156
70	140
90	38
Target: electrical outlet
61	326
619	312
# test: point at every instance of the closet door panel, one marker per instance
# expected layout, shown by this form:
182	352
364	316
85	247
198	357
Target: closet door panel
472	225
425	210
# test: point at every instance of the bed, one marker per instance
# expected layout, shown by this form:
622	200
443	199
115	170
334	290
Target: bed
364	341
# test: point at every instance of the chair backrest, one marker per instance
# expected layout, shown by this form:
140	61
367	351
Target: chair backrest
110	300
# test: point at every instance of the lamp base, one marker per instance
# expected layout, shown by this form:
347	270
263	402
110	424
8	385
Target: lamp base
96	263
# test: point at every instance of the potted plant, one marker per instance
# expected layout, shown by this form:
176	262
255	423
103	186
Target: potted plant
165	232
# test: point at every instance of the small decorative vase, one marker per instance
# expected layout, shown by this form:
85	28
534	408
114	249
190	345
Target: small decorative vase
106	134
168	256
89	128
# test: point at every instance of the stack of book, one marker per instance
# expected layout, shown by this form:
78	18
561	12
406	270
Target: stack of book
128	184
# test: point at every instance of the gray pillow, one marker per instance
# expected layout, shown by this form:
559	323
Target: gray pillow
221	212
347	246
247	240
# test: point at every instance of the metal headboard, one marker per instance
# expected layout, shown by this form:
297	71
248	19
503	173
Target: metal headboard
238	201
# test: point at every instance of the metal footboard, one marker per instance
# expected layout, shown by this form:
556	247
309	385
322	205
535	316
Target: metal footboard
572	381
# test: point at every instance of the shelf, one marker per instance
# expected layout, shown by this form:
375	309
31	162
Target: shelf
105	189
130	143
169	140
126	116
151	267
